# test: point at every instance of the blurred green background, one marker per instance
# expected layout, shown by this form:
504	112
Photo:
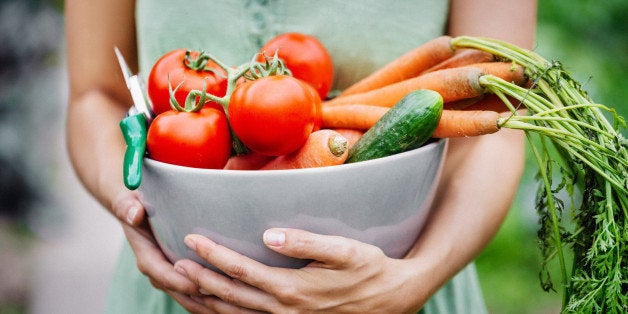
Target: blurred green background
589	37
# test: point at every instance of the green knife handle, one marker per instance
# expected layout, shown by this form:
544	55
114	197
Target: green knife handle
134	132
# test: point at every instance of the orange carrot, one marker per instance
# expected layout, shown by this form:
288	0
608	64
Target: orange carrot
323	148
462	103
465	123
490	102
360	117
453	123
352	135
250	161
487	102
505	70
408	65
463	57
453	84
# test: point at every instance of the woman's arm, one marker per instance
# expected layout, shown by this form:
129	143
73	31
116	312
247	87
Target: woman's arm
479	181
510	20
98	100
481	173
98	97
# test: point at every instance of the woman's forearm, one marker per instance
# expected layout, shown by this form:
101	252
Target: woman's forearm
95	144
510	20
481	174
479	182
98	96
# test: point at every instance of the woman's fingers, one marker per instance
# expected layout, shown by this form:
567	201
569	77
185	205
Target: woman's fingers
219	306
217	289
233	264
207	304
149	257
128	208
152	263
191	304
331	251
346	275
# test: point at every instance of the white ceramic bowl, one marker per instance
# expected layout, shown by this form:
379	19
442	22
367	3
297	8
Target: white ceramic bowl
383	202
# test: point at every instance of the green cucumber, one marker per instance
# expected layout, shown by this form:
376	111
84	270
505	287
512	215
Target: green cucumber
406	126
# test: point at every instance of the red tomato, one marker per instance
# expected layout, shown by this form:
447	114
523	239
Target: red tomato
193	139
172	66
273	115
306	57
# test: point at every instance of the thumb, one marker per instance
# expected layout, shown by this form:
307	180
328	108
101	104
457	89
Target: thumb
330	250
128	208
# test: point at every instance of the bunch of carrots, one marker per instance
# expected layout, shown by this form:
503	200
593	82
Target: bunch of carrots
469	109
486	84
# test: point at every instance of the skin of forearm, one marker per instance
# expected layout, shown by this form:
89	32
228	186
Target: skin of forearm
481	174
98	96
95	143
472	203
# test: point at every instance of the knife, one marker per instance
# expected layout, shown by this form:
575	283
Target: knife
134	126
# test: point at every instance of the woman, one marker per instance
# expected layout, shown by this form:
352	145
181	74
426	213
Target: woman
349	276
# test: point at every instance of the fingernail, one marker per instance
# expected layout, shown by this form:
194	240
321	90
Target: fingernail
180	270
274	237
130	215
190	243
203	291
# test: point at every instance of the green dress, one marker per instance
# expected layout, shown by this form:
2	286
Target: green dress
361	36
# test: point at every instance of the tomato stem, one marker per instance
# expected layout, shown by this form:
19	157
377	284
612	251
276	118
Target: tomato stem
174	104
199	63
251	70
190	105
270	66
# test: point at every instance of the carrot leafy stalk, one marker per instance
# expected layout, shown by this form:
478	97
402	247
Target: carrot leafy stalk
571	138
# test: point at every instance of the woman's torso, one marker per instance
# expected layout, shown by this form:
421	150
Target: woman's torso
361	36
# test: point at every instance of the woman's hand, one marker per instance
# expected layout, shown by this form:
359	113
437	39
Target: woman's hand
345	276
150	260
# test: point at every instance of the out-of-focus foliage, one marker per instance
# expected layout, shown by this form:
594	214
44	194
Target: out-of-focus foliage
590	38
31	37
28	51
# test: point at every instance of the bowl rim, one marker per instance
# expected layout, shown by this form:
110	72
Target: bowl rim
373	162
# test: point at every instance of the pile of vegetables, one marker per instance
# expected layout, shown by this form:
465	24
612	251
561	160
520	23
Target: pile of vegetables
269	113
273	113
